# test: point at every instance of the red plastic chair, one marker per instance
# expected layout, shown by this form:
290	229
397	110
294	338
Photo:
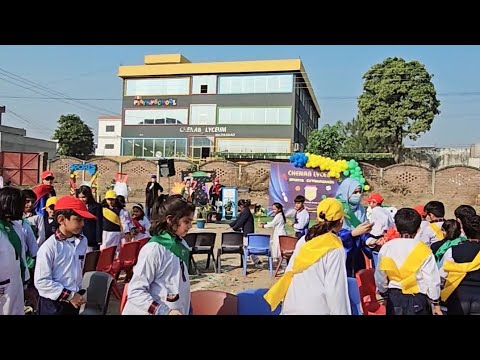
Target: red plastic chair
368	293
287	247
105	260
127	257
213	302
124	298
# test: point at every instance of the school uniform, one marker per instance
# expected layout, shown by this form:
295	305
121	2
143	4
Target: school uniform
126	222
51	227
38	226
160	282
278	225
30	246
112	227
408	276
461	270
58	273
11	283
430	232
142	226
319	289
301	222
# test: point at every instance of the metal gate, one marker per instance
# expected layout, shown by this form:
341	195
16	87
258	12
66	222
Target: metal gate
22	169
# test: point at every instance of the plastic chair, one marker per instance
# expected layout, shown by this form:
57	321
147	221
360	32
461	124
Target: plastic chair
105	260
123	302
251	302
98	285
213	302
232	243
127	257
354	295
204	244
191	239
91	261
287	247
258	244
368	293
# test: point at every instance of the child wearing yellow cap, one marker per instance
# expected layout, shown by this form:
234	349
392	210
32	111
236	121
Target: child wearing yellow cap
315	282
112	225
51	225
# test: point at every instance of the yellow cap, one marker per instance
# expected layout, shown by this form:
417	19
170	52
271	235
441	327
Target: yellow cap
50	201
331	210
111	194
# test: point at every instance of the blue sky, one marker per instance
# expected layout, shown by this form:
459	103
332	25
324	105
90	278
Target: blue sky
335	72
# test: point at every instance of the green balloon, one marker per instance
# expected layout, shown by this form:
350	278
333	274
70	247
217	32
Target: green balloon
362	180
346	173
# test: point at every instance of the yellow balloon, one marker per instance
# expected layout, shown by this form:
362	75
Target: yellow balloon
366	187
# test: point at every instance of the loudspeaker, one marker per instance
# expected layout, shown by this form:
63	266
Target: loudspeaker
167	167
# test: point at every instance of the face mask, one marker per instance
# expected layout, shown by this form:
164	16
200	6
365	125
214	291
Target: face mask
355	199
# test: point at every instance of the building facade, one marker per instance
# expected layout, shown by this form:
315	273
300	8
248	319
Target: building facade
109	136
177	109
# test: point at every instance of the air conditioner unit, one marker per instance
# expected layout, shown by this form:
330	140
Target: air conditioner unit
296	147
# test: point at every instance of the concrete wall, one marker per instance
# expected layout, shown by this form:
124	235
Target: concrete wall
18	143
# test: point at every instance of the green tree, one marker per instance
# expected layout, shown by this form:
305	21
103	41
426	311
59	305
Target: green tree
74	137
357	143
398	101
328	141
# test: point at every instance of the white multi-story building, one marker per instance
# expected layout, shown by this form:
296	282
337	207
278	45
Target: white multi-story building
109	136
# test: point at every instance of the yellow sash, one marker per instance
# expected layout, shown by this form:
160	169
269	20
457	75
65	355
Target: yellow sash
438	232
309	254
406	275
111	216
456	273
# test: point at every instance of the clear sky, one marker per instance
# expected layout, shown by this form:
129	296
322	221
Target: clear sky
58	74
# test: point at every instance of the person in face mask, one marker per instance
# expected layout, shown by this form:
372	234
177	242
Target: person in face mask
355	230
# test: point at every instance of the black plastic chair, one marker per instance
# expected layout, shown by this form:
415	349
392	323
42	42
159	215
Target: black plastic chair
204	244
232	243
191	239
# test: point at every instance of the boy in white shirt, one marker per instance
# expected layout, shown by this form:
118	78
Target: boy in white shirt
58	272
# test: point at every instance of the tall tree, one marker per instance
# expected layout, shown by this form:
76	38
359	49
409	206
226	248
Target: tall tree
357	143
328	141
74	137
398	101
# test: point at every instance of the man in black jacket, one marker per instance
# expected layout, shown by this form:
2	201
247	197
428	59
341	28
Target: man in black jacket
152	192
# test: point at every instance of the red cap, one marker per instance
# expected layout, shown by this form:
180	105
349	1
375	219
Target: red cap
375	197
46	174
75	204
421	210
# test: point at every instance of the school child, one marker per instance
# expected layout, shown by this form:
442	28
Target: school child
112	226
35	220
59	268
452	232
278	225
462	212
125	220
407	275
315	281
51	225
302	217
381	220
434	214
160	284
141	224
13	270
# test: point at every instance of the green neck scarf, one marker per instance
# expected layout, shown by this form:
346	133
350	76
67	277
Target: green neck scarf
447	245
173	245
8	229
350	216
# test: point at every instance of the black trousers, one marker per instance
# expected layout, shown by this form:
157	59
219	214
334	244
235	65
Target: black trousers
51	307
406	304
465	300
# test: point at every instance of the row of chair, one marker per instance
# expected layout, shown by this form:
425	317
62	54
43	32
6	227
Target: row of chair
214	302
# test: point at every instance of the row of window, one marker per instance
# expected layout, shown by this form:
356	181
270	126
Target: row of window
207	115
200	146
207	84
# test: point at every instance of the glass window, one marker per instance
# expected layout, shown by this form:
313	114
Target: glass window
181	145
156	117
148	148
255	84
110	128
127	147
169	147
255	116
138	147
109	146
203	114
167	86
253	146
206	84
159	147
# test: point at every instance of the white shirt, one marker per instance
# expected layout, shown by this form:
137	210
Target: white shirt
125	221
158	274
322	289
37	221
11	286
29	243
426	233
381	219
428	276
60	266
303	219
278	225
146	225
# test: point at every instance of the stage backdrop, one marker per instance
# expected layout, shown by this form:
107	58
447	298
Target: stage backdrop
287	181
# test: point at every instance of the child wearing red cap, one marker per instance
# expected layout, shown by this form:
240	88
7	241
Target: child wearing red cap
381	218
44	191
59	267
